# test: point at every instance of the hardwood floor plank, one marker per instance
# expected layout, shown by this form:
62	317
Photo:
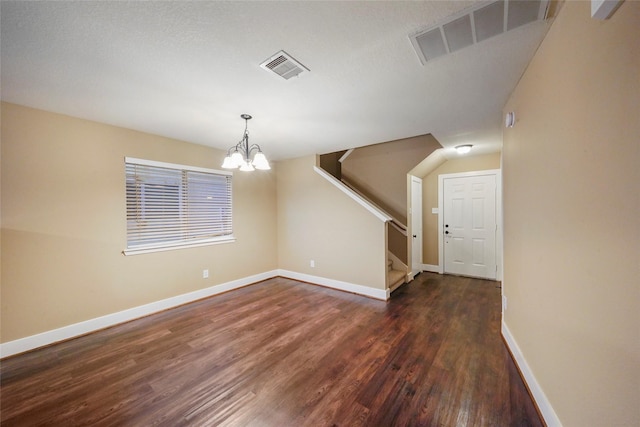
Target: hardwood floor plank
284	353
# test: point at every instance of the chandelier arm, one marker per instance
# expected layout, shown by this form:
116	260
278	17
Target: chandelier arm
254	147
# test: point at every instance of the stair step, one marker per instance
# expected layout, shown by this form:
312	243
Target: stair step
396	274
396	277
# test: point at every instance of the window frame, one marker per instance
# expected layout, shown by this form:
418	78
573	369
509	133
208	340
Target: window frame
182	195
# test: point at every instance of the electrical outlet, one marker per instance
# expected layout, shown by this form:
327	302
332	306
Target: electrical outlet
205	274
312	263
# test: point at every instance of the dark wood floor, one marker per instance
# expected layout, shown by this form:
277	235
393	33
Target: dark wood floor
284	353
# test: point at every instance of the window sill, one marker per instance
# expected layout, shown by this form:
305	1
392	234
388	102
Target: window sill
171	247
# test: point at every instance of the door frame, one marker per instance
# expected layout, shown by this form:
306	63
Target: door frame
415	269
498	174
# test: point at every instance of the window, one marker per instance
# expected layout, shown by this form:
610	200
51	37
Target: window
172	206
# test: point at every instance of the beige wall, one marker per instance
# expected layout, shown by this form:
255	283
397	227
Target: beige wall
380	170
571	187
64	228
318	222
430	197
331	163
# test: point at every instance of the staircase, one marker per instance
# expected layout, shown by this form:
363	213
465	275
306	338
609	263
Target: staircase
357	173
396	277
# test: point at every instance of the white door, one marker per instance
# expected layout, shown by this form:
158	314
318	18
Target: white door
469	226
416	225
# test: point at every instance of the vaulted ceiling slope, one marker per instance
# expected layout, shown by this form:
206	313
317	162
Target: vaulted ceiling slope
187	70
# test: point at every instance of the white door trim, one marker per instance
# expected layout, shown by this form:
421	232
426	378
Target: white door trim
498	174
416	216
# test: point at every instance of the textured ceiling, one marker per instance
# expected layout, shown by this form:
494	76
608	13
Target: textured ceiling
187	70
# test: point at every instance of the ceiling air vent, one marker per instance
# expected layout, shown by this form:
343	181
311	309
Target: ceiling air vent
475	25
284	65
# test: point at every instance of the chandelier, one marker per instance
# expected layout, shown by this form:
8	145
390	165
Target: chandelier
239	156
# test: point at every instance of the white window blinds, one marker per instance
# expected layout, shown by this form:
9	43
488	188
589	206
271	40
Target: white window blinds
171	206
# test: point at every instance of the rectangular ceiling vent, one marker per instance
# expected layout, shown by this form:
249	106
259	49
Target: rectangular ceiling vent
475	25
284	65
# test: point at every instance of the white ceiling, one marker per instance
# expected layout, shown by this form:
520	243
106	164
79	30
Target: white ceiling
187	70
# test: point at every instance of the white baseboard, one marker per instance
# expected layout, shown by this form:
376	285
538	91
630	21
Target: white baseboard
66	332
381	294
431	268
21	345
546	410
